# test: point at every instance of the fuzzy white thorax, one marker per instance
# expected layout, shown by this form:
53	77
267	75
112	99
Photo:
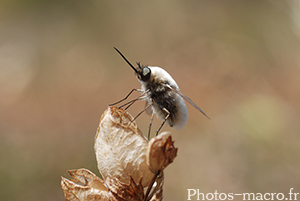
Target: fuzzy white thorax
162	75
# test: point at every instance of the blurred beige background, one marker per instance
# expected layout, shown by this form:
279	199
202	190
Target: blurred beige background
238	60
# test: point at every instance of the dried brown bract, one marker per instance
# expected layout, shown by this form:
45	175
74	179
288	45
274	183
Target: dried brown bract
128	163
161	152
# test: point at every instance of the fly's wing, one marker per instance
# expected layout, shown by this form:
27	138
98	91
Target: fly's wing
188	100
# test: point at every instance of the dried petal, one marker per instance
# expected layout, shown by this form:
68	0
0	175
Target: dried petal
161	152
85	186
87	178
132	191
121	150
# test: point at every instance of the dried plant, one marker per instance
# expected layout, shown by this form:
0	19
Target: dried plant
131	166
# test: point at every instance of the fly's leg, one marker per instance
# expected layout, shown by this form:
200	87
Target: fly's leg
140	97
166	118
139	90
129	103
141	112
152	115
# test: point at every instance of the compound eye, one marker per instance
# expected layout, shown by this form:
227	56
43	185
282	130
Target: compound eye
146	71
145	74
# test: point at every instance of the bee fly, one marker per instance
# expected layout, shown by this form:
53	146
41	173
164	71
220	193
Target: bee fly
162	94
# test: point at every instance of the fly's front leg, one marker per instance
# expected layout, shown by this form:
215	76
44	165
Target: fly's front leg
140	97
139	90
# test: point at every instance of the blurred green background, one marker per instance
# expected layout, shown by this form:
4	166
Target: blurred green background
238	60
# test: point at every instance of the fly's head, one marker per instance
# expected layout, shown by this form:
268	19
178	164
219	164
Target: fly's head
143	73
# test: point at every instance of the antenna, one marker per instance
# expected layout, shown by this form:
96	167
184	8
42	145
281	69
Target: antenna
126	60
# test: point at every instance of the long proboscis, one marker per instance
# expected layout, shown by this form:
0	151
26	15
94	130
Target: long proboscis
126	60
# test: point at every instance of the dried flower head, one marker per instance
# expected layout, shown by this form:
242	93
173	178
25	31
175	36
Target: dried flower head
128	163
